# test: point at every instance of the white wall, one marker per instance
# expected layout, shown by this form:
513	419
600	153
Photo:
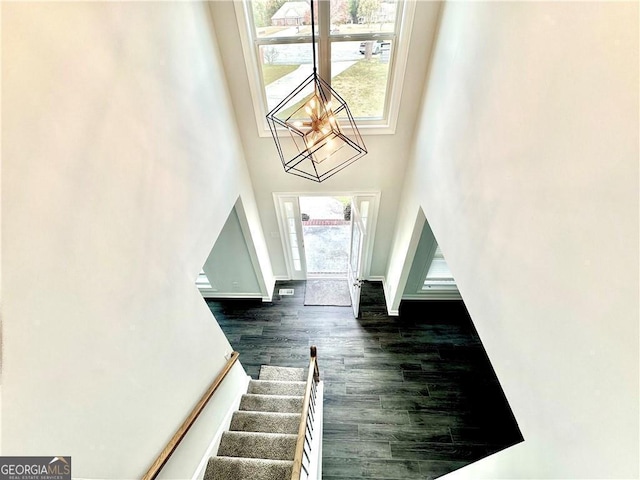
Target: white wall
526	166
382	169
229	267
421	261
121	162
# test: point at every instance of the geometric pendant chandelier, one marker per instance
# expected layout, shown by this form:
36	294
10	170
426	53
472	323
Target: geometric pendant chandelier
308	128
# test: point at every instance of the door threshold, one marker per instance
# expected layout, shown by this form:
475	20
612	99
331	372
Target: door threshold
327	276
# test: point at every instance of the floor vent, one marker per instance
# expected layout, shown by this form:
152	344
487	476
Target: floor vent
285	291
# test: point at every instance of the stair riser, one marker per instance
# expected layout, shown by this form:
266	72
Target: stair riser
252	422
269	387
268	372
258	445
225	468
271	403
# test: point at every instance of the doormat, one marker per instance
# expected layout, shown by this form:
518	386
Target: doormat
328	293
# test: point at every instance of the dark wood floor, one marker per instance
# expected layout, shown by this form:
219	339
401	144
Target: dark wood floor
412	396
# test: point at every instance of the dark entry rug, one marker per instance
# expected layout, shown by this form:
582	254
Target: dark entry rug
333	293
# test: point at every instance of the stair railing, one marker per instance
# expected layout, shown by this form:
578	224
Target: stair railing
302	457
162	459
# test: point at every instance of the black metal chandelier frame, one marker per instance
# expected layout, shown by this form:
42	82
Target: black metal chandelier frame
323	147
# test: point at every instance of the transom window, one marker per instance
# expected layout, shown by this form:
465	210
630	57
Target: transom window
362	47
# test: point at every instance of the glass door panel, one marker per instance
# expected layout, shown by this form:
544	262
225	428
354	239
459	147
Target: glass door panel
292	239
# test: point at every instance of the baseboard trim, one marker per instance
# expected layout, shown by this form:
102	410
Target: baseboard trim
224	426
385	288
376	278
232	295
207	292
281	278
433	296
271	287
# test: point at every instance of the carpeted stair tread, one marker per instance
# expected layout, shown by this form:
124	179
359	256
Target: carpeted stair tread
269	372
271	403
237	468
276	387
261	440
273	446
270	422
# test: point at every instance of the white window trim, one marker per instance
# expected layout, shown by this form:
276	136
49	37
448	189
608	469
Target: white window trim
279	202
385	126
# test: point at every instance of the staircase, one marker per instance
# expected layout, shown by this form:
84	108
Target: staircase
261	441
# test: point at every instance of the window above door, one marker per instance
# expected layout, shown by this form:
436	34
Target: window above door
362	50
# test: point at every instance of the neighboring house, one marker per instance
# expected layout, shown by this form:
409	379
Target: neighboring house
291	14
128	137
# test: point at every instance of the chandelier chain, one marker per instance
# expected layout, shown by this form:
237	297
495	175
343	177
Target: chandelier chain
313	37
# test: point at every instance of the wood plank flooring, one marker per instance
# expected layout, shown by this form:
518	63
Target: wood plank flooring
412	396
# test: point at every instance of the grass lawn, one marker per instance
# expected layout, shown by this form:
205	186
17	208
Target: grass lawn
270	30
346	28
363	87
271	73
351	28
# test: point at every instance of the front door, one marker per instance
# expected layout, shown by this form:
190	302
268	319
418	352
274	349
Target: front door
354	273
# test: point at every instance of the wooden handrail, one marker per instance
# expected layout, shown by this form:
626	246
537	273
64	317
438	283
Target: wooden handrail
312	377
157	465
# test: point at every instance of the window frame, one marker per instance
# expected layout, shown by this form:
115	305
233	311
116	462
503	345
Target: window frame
397	61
